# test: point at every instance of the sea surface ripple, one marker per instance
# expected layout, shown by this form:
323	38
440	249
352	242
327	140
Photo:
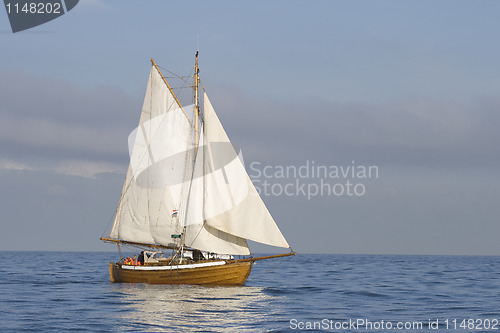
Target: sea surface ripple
70	291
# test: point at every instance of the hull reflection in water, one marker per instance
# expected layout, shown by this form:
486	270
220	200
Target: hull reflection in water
174	308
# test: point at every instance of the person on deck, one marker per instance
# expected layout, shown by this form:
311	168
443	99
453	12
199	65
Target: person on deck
140	260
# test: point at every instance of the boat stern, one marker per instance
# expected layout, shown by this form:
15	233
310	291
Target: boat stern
112	272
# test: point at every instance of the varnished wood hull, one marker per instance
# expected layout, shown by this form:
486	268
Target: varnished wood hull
231	273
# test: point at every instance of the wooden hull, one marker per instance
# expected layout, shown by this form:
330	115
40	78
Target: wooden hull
226	273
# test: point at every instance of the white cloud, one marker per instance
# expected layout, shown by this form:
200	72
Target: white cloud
79	168
6	165
87	169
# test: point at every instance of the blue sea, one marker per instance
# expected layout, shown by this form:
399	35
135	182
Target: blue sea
71	292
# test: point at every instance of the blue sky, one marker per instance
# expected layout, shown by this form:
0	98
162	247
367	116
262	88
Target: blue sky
409	86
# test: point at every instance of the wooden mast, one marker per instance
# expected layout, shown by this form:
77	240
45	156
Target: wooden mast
197	106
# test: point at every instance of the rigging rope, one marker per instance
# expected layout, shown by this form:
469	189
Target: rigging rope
178	76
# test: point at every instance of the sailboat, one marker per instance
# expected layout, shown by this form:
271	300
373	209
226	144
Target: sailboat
186	191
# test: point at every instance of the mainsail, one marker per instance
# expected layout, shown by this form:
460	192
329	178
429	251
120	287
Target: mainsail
208	198
160	165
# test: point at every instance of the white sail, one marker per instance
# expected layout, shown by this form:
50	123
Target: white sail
160	168
198	234
231	203
215	203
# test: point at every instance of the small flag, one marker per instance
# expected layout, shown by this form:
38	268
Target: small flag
174	213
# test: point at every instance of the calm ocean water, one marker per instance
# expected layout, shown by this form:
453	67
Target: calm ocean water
66	291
